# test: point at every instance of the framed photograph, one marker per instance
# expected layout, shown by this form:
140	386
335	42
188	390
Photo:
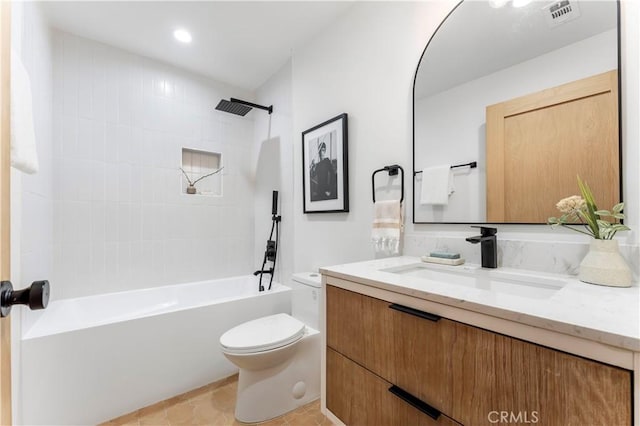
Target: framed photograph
325	177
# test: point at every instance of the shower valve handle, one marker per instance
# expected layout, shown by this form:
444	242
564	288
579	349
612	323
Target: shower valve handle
36	296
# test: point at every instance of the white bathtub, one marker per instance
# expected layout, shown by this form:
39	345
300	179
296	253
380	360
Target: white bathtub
88	360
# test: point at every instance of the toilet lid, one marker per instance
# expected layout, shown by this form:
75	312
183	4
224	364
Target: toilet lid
262	334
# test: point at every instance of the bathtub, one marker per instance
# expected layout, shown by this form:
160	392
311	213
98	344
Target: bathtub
91	359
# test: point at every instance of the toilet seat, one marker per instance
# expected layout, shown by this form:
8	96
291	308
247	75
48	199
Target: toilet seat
262	334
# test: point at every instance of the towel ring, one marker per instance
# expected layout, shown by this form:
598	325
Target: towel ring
393	171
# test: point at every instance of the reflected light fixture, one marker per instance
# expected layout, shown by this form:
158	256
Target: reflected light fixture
520	3
496	4
182	35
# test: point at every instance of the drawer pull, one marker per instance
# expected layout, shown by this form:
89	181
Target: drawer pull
415	402
417	313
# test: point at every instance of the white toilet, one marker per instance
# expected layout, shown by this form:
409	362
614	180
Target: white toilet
278	356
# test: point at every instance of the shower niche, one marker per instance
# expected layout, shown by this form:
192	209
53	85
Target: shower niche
201	173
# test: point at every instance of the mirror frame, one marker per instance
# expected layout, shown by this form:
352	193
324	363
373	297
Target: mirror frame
413	125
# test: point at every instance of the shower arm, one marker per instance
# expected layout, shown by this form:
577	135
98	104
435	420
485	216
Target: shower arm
252	105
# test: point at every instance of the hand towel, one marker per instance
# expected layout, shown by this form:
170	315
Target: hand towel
23	138
387	226
437	185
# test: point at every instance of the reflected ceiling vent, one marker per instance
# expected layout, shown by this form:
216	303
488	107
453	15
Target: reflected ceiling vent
562	11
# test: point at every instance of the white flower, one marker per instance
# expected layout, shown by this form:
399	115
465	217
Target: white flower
571	204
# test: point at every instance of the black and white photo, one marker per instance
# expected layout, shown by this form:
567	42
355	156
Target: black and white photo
325	177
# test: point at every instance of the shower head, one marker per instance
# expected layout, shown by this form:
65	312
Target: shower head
233	108
240	107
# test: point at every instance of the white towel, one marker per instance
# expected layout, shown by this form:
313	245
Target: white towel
387	227
23	138
437	185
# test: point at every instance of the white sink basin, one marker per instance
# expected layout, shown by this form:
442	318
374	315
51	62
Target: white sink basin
520	284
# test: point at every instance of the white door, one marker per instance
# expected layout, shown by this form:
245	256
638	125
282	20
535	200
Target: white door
37	295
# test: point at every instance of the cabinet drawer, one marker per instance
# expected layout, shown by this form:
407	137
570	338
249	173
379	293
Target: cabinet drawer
401	345
359	397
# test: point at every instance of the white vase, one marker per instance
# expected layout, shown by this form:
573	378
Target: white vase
604	265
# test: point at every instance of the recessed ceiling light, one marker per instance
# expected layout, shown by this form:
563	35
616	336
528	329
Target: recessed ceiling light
182	35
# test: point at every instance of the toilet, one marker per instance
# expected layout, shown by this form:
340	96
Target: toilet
278	356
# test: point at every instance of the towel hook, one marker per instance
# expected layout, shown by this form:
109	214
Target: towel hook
393	171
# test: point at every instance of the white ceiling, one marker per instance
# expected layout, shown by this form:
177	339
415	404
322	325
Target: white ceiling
241	43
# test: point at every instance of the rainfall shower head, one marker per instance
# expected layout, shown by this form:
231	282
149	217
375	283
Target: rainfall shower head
240	107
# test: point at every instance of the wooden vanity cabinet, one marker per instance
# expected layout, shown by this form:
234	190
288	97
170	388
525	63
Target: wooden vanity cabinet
466	373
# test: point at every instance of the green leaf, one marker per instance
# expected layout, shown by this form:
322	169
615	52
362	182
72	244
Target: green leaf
591	224
586	192
618	207
590	215
620	227
603	213
618	215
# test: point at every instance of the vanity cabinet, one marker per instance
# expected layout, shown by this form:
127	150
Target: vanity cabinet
471	375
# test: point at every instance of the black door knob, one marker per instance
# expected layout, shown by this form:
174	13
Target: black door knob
35	296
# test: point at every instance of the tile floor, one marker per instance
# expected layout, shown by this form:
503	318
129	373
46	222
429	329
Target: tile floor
212	405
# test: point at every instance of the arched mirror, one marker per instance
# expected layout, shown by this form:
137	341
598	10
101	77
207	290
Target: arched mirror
511	102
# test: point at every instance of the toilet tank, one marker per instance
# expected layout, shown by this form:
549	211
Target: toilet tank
305	297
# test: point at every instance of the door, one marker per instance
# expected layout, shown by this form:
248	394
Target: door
538	143
5	224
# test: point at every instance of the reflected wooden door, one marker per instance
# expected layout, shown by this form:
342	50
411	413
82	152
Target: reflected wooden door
537	144
5	168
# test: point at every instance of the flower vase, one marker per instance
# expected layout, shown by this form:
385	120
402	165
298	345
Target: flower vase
604	265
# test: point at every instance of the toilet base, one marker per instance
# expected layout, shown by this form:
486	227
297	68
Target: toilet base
272	392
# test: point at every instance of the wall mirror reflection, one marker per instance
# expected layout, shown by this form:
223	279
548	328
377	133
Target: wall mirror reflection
510	104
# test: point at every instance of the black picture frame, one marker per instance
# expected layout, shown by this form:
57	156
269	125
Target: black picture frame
325	168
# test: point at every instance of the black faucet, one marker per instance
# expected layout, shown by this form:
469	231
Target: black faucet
488	246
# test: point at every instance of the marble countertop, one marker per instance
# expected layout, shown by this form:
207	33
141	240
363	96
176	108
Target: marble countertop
609	315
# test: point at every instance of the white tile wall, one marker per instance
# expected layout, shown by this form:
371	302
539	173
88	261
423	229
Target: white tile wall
274	142
121	221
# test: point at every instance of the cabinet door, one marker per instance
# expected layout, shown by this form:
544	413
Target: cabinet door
358	397
494	374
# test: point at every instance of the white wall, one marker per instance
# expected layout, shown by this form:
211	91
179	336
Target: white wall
450	125
120	219
364	65
273	160
32	195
